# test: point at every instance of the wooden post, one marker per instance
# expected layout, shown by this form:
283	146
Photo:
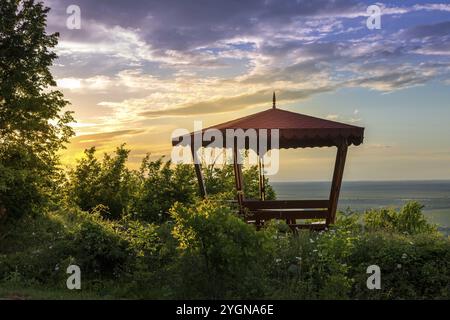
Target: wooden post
199	173
238	179
261	179
337	181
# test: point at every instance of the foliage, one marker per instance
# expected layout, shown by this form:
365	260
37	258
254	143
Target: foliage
98	247
333	264
148	193
22	186
412	267
220	255
109	183
311	265
160	185
209	252
32	126
102	248
408	220
220	183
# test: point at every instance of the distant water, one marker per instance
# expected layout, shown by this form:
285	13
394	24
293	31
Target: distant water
362	195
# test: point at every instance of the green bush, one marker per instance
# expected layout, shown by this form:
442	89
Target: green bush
99	248
409	219
40	249
147	194
220	255
108	183
34	249
333	264
311	265
412	267
160	185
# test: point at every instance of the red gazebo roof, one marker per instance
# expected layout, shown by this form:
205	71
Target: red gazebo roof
296	130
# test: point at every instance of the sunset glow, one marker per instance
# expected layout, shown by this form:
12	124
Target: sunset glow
135	73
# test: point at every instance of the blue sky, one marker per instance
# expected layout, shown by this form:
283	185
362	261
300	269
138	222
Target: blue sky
137	70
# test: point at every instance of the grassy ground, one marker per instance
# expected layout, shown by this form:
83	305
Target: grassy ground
18	292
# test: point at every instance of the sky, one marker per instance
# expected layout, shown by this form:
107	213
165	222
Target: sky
137	70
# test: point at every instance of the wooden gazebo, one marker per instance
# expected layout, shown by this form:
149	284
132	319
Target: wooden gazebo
295	131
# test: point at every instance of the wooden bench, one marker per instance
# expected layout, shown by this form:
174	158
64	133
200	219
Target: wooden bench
258	212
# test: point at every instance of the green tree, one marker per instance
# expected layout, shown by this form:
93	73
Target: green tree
32	125
108	183
83	186
220	182
160	186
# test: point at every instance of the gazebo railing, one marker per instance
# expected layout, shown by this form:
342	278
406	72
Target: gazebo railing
258	212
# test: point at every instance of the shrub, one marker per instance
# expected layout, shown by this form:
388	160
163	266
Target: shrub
333	264
209	252
220	255
34	249
109	183
99	249
412	267
148	193
39	249
311	265
159	186
408	220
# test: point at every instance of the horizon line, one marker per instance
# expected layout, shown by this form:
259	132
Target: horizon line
363	180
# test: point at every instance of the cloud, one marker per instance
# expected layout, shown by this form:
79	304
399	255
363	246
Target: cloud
229	104
429	39
100	139
391	80
428	30
105	136
433	7
377	146
332	117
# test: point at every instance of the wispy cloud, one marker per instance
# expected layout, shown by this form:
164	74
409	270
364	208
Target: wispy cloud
229	104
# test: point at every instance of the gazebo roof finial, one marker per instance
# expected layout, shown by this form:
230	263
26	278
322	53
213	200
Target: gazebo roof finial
274	100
